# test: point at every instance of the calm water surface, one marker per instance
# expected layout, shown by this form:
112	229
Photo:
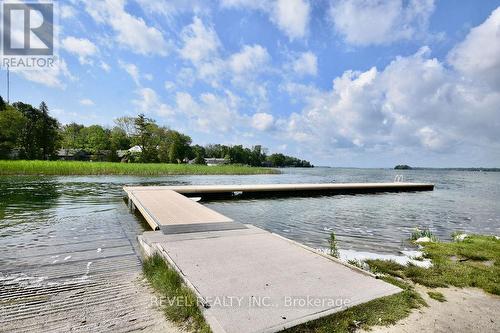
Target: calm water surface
33	209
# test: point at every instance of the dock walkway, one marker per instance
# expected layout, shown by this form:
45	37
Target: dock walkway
248	279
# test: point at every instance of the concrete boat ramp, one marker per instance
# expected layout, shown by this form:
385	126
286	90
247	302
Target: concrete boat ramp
248	279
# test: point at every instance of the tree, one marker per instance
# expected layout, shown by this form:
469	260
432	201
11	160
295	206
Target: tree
119	139
39	136
195	151
72	136
174	147
47	132
179	146
277	160
96	139
12	123
127	124
146	138
199	159
3	105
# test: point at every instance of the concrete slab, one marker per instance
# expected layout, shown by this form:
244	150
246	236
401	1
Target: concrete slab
248	279
254	281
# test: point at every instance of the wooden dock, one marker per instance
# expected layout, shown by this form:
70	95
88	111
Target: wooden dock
223	260
153	201
288	189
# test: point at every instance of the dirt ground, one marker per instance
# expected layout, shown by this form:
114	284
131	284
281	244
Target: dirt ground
466	310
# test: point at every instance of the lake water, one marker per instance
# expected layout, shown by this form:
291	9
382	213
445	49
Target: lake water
33	209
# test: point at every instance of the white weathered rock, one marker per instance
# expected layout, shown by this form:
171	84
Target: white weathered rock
423	240
461	237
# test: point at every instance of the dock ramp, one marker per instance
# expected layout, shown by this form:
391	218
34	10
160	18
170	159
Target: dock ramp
247	279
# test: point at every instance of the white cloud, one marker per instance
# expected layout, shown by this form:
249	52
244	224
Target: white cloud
262	121
171	8
169	85
250	59
67	12
251	4
81	47
132	70
365	22
290	16
414	103
478	56
200	42
210	113
51	77
105	67
131	31
148	102
306	64
86	102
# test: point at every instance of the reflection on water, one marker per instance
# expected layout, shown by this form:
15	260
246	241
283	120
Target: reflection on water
32	208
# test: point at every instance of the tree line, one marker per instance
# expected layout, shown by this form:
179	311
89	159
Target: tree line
27	132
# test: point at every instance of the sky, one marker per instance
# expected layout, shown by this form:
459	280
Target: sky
355	83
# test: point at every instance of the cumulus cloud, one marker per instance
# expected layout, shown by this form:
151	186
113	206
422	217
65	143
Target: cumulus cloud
262	121
130	31
200	42
290	16
250	59
478	56
306	64
415	102
148	102
211	113
365	22
81	47
200	46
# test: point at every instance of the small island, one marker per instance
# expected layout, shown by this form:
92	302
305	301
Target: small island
402	167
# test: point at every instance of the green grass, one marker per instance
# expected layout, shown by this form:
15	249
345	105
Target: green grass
64	168
178	301
382	311
437	296
417	233
474	262
334	251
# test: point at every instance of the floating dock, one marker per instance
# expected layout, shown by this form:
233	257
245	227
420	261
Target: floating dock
248	279
152	201
209	191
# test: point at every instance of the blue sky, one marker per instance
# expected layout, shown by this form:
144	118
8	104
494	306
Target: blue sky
343	83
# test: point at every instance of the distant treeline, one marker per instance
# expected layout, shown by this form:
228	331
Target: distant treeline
407	167
30	133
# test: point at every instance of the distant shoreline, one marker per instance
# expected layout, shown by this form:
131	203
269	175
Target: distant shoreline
414	168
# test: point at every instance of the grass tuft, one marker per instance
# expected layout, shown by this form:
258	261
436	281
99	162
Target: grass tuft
70	168
334	251
178	302
417	233
437	296
474	262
